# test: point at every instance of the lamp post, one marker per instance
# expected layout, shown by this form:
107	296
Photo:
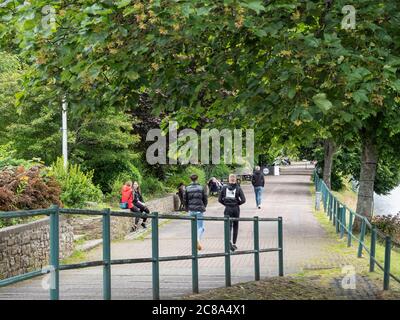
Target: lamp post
64	130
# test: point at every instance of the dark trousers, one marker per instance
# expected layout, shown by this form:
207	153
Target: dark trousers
233	212
182	203
142	209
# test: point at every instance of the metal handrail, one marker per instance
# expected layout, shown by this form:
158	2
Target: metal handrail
336	211
54	212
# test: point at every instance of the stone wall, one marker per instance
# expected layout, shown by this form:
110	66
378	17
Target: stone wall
91	227
25	247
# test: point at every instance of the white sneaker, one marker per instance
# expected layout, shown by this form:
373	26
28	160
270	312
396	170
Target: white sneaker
259	207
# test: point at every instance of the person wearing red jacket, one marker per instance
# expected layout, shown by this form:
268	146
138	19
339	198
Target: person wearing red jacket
128	197
127	194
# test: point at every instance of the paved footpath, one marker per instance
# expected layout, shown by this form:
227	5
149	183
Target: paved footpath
287	196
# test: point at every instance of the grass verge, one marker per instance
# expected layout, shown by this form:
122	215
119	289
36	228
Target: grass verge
341	246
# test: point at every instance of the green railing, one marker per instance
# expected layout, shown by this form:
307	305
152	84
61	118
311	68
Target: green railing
343	219
54	213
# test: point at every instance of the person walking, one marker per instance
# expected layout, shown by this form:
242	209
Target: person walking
258	183
181	195
232	197
138	202
196	202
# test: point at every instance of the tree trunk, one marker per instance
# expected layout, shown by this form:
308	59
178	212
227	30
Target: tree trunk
329	152
369	159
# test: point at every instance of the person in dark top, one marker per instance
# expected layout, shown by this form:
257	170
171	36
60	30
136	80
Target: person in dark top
214	186
181	195
138	202
196	202
258	182
232	197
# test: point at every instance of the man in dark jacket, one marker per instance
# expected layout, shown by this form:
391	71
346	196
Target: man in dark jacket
232	197
196	203
258	183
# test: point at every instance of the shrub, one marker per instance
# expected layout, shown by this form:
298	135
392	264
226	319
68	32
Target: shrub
8	159
389	225
182	174
121	171
77	187
26	189
152	187
219	171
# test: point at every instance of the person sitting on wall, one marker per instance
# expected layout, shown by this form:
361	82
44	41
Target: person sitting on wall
139	203
127	197
214	186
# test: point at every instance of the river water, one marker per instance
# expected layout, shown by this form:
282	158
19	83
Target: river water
390	204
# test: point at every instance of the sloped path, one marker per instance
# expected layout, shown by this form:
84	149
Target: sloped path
287	196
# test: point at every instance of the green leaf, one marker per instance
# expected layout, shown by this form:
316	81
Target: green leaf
322	102
396	85
291	92
256	6
312	41
203	11
347	117
132	75
360	96
122	3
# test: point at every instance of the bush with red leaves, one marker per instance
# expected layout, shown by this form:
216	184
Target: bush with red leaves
26	189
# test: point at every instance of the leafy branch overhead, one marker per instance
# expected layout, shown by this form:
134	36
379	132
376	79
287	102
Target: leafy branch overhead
284	67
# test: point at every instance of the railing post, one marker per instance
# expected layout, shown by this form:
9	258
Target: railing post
334	220
328	203
342	219
338	217
344	223
330	208
106	255
372	250
280	244
386	272
195	262
54	253
362	236
350	233
256	249
155	254
326	200
227	236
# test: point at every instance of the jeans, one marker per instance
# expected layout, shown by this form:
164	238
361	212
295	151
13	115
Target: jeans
200	223
258	191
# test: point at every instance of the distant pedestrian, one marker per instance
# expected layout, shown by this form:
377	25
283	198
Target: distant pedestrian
232	197
181	195
258	182
196	202
138	202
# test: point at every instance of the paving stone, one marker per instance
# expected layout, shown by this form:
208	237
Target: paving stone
288	196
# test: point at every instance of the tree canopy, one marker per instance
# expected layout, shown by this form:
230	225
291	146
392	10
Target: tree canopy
287	68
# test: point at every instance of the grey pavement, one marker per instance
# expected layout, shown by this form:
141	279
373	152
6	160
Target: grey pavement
287	196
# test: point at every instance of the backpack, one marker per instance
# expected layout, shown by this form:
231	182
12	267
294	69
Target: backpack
232	195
